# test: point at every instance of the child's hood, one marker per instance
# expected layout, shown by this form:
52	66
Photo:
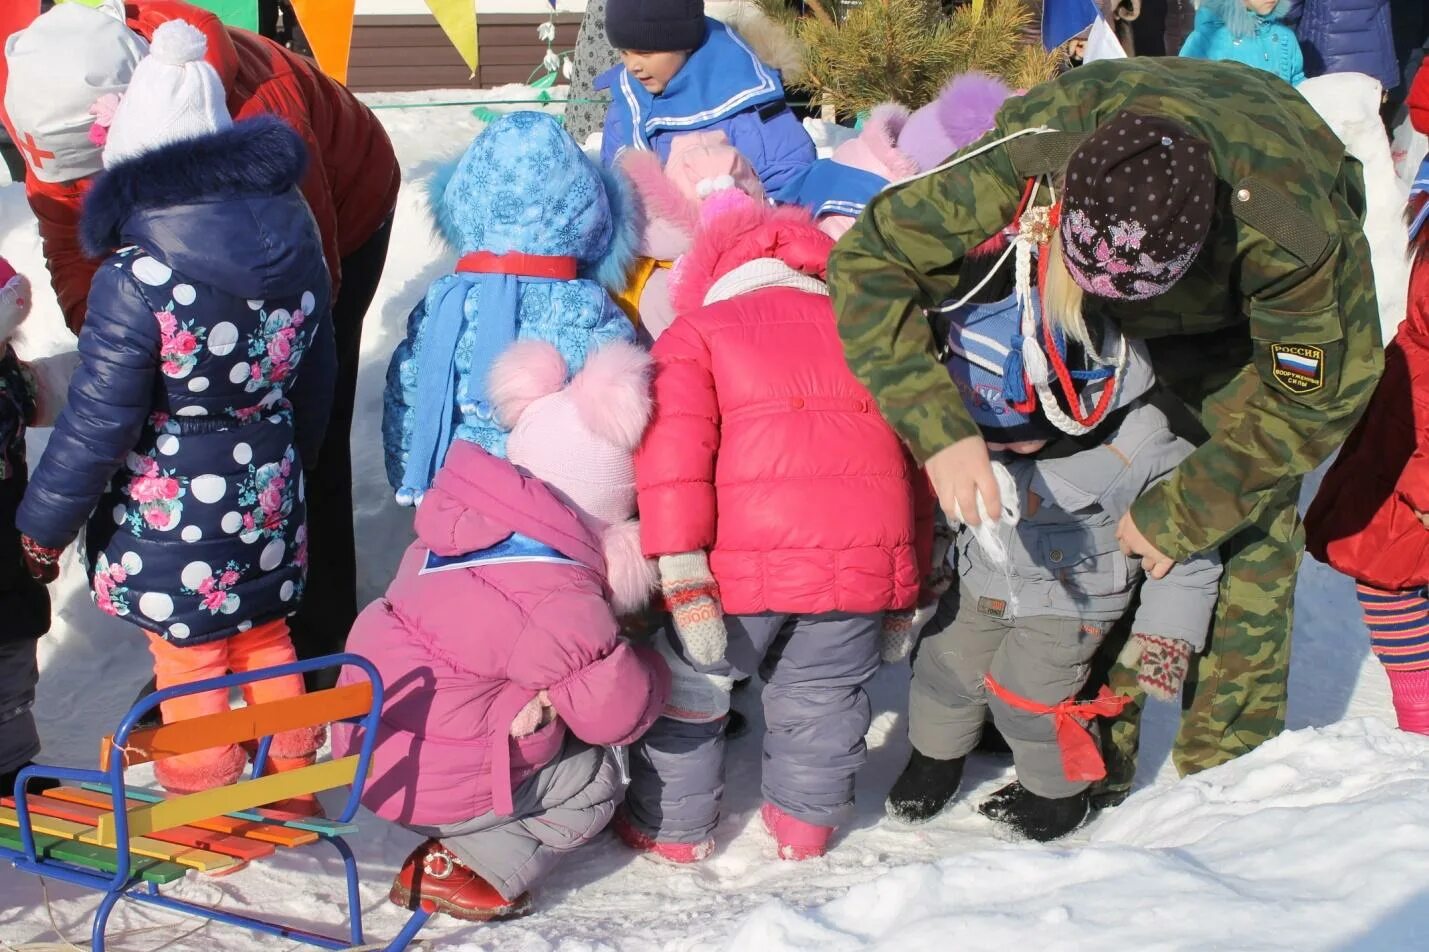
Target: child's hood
222	209
741	230
524	185
1239	19
477	500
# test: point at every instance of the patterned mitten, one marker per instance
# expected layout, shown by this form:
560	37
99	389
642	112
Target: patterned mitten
1161	664
693	601
42	562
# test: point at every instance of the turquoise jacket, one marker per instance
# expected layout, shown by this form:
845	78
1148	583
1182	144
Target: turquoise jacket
1226	30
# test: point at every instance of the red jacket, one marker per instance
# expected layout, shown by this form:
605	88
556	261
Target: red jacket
352	177
1363	519
765	450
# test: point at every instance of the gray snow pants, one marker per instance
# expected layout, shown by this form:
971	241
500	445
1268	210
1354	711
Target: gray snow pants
1042	658
593	56
559	809
815	712
19	672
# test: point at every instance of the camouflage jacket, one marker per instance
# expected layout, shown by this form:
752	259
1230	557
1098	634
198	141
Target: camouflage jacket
1272	336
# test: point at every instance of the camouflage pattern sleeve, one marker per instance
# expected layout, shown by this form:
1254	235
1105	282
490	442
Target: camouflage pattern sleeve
900	258
1316	359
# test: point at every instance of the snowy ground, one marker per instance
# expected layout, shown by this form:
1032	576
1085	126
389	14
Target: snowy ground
1313	842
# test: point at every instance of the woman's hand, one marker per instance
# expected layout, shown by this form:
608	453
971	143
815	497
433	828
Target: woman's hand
959	474
1134	544
1423	518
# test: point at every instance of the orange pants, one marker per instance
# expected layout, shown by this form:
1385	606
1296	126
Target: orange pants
262	646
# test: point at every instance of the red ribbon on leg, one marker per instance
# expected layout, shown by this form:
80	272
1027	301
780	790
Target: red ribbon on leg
1081	758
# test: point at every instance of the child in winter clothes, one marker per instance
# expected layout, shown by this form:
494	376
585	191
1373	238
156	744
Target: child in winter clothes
782	509
498	639
700	164
24	601
544	235
1039	593
682	71
1370	519
1252	32
895	145
205	379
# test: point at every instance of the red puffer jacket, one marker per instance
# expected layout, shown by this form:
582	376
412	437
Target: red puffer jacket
352	178
764	449
1363	519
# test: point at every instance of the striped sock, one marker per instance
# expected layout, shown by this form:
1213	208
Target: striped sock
1398	626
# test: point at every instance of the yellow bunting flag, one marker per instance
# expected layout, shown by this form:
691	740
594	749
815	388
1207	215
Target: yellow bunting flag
458	21
328	26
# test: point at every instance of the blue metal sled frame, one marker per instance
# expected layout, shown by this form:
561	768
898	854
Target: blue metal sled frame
126	884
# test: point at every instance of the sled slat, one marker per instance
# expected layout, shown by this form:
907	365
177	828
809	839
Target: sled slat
234	846
202	860
97	858
269	833
178	811
240	724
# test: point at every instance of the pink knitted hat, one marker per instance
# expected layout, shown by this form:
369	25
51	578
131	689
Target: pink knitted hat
580	438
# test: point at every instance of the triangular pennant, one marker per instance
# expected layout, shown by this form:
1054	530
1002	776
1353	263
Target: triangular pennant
239	13
458	21
328	26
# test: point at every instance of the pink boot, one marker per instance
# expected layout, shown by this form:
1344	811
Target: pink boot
203	770
641	842
797	839
1410	690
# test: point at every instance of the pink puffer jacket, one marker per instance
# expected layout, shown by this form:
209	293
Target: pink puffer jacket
462	650
765	450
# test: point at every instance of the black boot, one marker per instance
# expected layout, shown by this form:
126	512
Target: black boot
1037	818
925	788
38	785
991	741
1108	798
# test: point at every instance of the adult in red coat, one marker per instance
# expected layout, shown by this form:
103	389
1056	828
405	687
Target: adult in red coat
351	186
1370	519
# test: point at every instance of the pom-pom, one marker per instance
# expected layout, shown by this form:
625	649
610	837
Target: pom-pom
178	43
523	374
612	394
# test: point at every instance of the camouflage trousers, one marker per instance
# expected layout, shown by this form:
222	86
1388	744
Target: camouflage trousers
1235	693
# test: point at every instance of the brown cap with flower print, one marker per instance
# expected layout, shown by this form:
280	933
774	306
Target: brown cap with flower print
1138	201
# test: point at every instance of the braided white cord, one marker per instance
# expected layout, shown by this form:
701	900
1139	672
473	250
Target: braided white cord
1034	359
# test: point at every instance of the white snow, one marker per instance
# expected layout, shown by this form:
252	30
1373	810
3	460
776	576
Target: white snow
1313	842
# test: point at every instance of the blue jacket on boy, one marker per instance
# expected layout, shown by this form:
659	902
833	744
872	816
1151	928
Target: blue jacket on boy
722	86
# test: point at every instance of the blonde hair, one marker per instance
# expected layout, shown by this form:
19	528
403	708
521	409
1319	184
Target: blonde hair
1062	297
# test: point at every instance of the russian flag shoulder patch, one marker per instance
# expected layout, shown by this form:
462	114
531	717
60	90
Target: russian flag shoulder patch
1299	368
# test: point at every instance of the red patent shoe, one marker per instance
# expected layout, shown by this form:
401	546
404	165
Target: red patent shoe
433	878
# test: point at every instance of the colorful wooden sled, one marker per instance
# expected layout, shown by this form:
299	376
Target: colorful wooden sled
126	843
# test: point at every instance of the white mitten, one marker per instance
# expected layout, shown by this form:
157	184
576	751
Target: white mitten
695	697
693	602
986	533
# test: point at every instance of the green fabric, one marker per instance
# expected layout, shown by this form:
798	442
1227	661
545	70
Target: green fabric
240	13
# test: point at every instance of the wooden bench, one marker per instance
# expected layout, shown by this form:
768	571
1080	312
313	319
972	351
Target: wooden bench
94	831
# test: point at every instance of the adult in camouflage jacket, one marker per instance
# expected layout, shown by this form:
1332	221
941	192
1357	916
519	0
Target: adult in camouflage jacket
1284	272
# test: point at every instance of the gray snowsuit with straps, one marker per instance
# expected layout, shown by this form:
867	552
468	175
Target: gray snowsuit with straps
1035	624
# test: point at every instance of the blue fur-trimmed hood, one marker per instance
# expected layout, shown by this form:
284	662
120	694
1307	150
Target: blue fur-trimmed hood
525	185
223	209
1239	20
